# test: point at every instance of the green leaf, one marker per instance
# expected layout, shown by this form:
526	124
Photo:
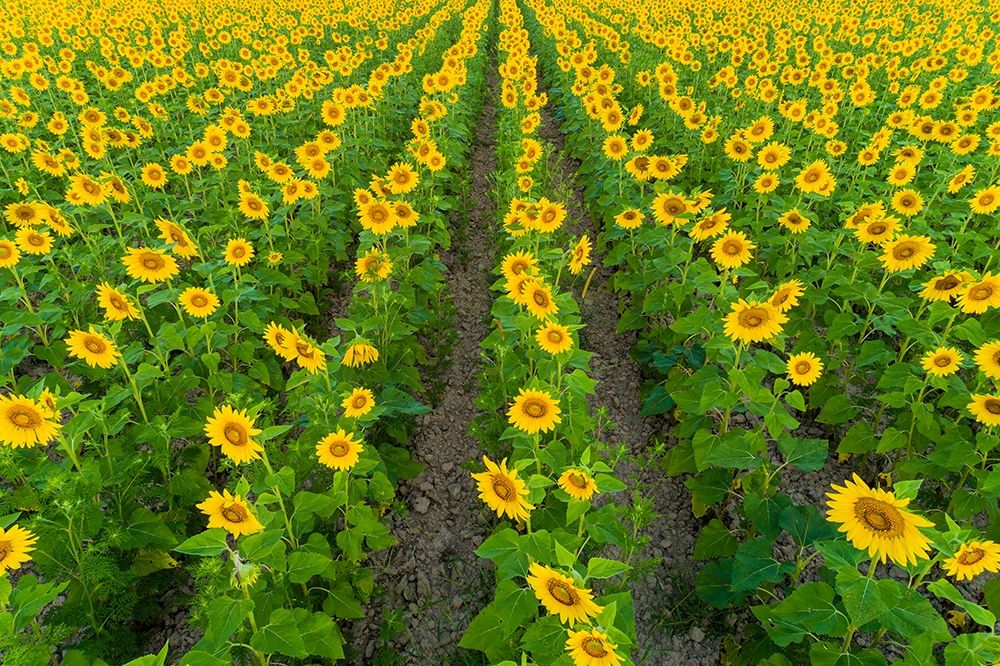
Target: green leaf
943	589
343	603
485	632
755	565
807	610
281	635
513	605
837	409
225	615
207	544
972	650
809	455
322	636
158	659
715	540
913	616
304	565
867	599
599	567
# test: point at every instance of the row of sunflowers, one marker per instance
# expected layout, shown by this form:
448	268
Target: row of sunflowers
558	597
177	405
800	208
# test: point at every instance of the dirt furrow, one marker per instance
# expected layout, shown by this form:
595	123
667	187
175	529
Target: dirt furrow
665	608
432	583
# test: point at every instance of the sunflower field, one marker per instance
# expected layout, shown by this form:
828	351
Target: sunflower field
508	332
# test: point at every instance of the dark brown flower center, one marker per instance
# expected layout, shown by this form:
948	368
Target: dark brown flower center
971	556
947	283
992	406
359	402
594	647
562	592
878	516
339	449
980	292
235	434
234	513
199	300
6	548
94	345
942	361
503	487
535	408
753	317
152	262
904	251
22	417
802	367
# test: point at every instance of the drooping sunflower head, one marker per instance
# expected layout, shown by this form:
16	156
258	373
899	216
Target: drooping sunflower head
534	411
561	596
501	490
358	354
876	521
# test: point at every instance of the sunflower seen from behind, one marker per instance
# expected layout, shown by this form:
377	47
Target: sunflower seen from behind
561	596
501	490
876	521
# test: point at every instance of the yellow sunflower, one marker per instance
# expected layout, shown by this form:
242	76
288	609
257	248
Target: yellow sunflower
787	295
518	263
198	302
253	206
339	450
502	491
591	647
24	422
732	250
578	484
972	559
751	321
980	296
234	431
92	347
986	201
985	408
942	362
804	368
944	287
31	241
876	521
115	304
281	340
580	255
149	265
988	359
358	403
554	338
239	252
231	513
711	225
9	254
534	411
15	544
560	595
904	252
538	299
631	218
794	221
358	354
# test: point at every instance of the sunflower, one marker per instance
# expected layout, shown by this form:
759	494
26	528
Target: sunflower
253	207
804	368
578	484
358	403
281	340
786	296
33	242
751	321
538	299
560	595
239	252
377	217
879	229
502	491
907	202
93	348
732	250
986	201
198	302
234	431
711	225
961	179
988	359
972	559
154	176
178	238
591	647
24	422
737	149
580	255
401	178
373	266
631	218
876	521
518	263
15	544
980	296
794	221
534	411
231	513
773	156
942	362
668	206
308	355
358	354
904	252
149	265
985	408
766	183
339	450
9	254
551	215
554	338
23	214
